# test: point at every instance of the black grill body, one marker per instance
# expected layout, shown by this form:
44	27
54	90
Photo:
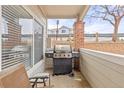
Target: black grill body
62	66
62	60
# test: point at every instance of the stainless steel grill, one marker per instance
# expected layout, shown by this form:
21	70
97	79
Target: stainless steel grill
62	59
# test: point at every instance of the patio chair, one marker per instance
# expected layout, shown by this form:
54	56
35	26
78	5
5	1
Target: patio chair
40	78
16	77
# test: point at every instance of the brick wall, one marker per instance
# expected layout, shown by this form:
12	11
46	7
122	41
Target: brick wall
78	34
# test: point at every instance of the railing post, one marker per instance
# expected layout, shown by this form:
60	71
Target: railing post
97	37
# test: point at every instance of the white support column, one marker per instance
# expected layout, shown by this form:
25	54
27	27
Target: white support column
0	38
45	37
33	41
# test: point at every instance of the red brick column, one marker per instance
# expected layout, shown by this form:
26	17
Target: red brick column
78	35
78	40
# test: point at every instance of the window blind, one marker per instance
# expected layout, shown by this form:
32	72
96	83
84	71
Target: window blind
14	49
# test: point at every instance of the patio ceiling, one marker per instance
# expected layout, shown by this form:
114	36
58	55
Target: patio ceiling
64	11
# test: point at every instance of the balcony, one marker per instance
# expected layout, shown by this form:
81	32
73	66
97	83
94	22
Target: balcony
96	68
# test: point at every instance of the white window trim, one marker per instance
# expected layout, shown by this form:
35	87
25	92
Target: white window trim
0	39
33	42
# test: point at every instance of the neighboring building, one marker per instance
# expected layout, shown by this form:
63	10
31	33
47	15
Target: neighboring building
64	34
61	30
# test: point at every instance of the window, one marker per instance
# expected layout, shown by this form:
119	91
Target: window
16	36
5	29
63	31
38	42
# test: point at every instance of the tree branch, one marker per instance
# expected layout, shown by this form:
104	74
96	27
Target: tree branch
109	21
105	7
121	15
104	18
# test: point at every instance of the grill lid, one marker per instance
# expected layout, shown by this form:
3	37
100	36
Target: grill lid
62	49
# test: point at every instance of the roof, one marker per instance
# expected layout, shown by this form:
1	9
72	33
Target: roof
54	29
64	27
64	11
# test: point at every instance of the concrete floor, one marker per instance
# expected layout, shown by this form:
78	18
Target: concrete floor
65	81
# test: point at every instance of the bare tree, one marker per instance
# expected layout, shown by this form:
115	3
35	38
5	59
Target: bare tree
111	13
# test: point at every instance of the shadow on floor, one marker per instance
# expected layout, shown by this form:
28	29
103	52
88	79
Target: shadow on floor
66	81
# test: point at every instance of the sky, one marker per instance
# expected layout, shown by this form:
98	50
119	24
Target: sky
90	27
